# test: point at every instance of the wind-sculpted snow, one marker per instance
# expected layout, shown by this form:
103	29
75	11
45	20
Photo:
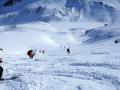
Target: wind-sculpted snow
54	10
64	72
102	33
87	67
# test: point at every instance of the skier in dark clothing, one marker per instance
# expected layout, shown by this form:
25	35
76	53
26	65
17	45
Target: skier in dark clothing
68	50
106	24
117	41
1	71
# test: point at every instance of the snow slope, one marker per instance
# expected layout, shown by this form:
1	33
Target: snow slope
103	33
38	34
53	26
94	66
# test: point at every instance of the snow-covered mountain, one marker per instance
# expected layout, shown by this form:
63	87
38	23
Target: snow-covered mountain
21	11
94	59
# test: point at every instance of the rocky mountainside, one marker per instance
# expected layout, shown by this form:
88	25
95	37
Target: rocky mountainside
21	11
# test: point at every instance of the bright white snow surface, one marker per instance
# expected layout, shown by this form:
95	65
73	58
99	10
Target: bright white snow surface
90	66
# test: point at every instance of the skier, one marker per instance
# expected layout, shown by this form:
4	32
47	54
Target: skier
116	41
68	50
41	51
1	69
30	54
105	24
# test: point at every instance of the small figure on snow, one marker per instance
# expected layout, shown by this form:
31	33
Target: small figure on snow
68	50
106	24
30	53
116	41
1	69
42	51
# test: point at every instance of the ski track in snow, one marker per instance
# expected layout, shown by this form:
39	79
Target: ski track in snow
58	73
86	68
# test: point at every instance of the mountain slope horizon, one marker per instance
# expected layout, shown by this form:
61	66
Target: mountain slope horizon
21	11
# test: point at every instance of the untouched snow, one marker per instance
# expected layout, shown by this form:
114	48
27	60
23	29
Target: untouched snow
94	66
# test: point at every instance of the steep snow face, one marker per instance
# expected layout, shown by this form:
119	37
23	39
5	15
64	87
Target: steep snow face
22	4
77	4
33	10
102	12
103	33
46	10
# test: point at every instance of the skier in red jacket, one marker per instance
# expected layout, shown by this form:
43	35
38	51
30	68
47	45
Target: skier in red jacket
30	53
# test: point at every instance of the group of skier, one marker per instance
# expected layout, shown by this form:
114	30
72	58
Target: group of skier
31	53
